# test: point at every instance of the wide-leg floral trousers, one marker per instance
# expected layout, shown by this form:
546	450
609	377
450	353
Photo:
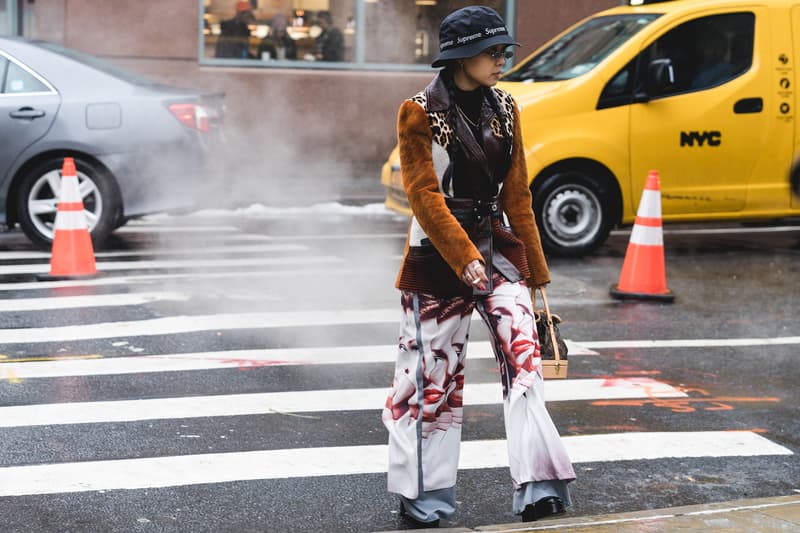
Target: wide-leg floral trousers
424	410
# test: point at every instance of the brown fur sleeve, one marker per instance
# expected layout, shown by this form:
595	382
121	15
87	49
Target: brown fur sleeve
422	189
515	198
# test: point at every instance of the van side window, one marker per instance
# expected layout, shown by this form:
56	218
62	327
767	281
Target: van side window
705	52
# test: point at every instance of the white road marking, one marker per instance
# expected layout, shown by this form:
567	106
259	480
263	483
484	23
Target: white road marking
184	470
138	227
691	343
718	231
187	324
97	300
227	359
341	236
192	263
177	250
334	270
132	227
306	401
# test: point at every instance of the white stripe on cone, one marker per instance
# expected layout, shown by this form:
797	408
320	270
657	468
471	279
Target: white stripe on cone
71	221
650	204
647	235
70	190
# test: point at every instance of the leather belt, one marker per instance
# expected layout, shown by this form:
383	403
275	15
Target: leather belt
478	218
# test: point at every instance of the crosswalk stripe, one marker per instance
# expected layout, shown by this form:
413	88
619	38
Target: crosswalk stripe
692	343
96	300
183	250
305	401
718	231
151	472
228	321
333	270
339	237
146	227
170	471
149	228
107	266
188	324
182	362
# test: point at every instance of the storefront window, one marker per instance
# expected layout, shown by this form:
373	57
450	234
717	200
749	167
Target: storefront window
391	34
279	30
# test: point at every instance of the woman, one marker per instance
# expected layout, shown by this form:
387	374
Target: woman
473	244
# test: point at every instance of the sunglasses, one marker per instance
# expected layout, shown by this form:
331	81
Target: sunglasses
497	54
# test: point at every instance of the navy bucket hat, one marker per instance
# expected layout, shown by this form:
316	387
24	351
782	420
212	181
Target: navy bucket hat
469	31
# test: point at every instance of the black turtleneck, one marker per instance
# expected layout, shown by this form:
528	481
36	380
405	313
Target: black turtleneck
470	181
470	103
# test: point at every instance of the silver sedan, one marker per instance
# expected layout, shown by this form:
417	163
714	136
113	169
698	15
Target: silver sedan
139	147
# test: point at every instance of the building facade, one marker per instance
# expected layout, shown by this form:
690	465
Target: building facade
290	110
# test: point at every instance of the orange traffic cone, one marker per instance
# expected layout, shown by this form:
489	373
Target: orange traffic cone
643	275
73	254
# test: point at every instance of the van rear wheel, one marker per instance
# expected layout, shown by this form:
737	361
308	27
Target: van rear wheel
574	210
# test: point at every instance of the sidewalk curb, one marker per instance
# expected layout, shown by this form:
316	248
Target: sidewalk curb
783	508
780	513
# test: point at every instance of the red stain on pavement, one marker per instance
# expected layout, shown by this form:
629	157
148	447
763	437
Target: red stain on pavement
687	405
638	373
599	429
248	364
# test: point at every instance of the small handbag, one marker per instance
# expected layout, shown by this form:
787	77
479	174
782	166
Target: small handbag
552	347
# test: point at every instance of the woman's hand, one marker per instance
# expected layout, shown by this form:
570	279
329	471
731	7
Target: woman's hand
475	275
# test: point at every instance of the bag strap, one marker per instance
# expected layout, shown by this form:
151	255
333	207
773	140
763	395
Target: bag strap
550	326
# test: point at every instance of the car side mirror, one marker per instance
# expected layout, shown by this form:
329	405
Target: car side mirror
660	76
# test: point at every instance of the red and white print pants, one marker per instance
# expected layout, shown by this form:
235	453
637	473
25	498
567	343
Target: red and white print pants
424	410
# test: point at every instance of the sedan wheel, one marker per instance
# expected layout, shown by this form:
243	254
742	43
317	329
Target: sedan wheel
37	201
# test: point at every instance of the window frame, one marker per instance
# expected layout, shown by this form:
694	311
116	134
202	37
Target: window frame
22	66
359	49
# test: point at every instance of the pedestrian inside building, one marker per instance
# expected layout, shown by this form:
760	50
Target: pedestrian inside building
329	45
234	37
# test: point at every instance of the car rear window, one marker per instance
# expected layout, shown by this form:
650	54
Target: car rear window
19	81
96	63
15	79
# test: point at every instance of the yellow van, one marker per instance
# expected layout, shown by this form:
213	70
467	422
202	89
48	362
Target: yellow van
702	91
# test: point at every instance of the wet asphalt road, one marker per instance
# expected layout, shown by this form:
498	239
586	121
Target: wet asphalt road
731	282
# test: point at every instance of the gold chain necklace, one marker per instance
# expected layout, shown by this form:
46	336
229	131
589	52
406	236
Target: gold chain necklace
474	125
